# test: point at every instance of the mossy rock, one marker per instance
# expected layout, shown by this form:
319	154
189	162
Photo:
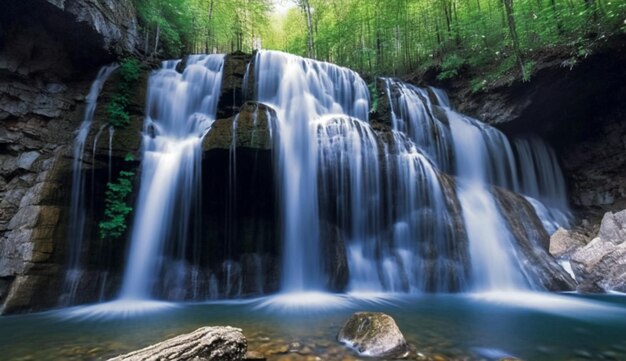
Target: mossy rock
254	129
374	334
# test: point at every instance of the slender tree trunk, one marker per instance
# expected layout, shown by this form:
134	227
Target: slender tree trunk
146	41
306	9
156	40
508	7
208	28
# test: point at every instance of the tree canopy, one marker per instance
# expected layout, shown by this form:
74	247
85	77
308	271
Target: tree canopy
384	36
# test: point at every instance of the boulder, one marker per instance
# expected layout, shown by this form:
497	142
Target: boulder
373	334
600	265
204	344
562	242
613	227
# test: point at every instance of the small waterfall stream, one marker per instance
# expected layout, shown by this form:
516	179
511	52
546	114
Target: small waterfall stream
77	201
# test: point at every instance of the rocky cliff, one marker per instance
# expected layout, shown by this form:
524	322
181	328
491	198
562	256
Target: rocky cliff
50	52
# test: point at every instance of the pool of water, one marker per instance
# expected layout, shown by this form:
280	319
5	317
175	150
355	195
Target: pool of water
453	327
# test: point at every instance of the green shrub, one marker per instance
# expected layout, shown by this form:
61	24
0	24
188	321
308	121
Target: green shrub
117	109
450	67
372	88
117	207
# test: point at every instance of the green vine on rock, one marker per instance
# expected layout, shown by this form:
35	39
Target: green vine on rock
117	207
118	107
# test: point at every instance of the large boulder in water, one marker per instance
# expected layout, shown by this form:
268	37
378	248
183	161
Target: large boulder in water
601	264
373	334
206	343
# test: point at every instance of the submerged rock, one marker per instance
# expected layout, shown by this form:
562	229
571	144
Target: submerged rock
373	334
206	343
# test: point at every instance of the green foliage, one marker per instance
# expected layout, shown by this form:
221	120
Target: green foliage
117	208
129	71
528	69
478	84
117	109
201	26
118	115
374	93
450	67
386	37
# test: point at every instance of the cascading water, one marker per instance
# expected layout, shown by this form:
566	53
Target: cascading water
180	111
403	206
77	202
480	156
493	265
302	90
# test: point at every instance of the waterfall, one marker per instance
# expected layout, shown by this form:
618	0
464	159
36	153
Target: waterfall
480	157
412	114
180	110
302	90
77	201
421	199
493	264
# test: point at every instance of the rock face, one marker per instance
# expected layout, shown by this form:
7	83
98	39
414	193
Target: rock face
73	34
204	344
373	334
50	51
601	264
114	20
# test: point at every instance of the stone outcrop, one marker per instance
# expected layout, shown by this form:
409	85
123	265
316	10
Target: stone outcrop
532	242
114	20
60	37
204	344
373	334
50	52
234	92
601	264
253	127
596	167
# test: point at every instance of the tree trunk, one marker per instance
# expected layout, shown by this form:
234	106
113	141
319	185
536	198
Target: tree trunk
306	8
156	40
208	29
206	343
508	7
